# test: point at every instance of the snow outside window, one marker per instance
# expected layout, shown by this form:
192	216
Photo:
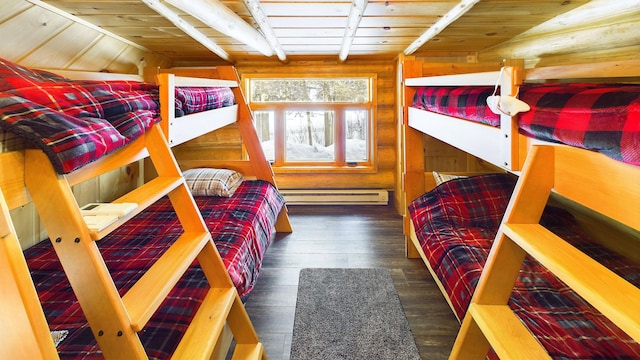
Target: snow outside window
311	122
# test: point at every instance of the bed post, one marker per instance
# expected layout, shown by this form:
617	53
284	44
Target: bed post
28	335
509	84
413	154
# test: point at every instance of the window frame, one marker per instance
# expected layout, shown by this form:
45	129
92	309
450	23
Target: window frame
279	164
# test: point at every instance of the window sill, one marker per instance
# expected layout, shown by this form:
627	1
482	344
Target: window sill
324	169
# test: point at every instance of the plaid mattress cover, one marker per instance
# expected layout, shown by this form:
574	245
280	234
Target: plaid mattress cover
241	226
599	117
456	224
191	100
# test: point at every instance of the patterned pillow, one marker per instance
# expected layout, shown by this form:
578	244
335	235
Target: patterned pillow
212	182
440	178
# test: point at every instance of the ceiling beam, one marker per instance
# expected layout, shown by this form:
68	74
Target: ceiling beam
187	28
261	19
353	21
446	20
216	15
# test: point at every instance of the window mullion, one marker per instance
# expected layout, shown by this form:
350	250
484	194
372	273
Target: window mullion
340	129
279	135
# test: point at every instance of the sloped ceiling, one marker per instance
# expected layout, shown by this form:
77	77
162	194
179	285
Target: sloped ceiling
316	29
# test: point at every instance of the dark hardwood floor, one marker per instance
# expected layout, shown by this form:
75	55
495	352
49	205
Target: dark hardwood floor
351	237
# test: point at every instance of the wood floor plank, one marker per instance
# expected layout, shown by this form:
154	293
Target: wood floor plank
347	236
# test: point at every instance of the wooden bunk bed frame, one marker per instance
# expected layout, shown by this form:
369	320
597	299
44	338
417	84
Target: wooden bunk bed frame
503	146
115	320
583	177
574	174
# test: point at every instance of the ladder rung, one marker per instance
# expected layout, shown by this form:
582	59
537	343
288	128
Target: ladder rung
612	295
202	335
144	196
248	351
508	337
144	298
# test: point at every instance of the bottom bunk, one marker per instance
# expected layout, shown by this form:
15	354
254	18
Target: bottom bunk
455	225
241	225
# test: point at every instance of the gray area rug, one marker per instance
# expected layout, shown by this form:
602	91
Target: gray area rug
350	314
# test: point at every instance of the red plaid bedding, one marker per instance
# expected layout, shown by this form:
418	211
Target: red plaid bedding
241	226
599	117
456	224
196	99
465	102
74	122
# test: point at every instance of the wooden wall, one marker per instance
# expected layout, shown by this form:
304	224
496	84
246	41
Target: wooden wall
37	35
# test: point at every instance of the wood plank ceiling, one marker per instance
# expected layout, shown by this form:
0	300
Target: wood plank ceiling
307	29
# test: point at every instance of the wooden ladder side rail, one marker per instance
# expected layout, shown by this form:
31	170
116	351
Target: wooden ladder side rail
262	167
505	258
584	177
26	334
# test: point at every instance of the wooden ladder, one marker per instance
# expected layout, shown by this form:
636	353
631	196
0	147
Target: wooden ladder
114	320
26	332
588	178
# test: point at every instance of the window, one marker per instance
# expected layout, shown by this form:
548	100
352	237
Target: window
314	123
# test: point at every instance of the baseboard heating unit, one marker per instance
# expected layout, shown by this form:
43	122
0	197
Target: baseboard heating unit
335	197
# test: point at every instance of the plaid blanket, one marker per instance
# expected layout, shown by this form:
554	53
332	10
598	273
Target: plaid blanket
599	117
242	227
456	224
465	102
195	99
74	122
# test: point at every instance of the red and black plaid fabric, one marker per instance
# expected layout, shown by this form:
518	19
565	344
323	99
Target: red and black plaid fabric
600	117
241	226
465	102
74	122
196	99
456	224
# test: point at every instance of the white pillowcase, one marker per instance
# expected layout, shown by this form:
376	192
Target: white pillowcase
212	182
440	178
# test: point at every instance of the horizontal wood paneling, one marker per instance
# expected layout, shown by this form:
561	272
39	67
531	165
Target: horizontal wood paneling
599	31
39	36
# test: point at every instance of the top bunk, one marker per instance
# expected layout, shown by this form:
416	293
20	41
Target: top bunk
591	106
90	123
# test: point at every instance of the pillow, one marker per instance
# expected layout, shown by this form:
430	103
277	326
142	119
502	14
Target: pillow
440	178
212	182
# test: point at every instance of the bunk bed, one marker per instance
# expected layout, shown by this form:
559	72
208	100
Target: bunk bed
525	278
153	282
